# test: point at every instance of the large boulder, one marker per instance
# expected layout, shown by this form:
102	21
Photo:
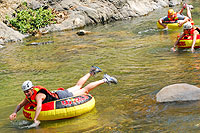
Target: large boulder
178	92
8	34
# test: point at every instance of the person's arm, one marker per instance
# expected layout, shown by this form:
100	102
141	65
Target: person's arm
175	44
194	40
182	22
39	99
19	106
161	23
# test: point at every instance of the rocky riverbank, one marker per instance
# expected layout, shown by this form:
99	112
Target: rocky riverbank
78	13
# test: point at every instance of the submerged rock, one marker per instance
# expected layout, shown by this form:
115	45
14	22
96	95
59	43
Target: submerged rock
39	43
178	92
82	32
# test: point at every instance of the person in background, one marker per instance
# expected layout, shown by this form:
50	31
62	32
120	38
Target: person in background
188	29
39	95
174	17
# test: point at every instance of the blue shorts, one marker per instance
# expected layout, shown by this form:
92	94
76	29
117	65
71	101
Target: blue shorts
63	94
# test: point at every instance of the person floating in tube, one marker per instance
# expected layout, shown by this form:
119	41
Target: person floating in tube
39	95
174	17
188	29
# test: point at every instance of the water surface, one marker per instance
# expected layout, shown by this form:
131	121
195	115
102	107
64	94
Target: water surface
134	51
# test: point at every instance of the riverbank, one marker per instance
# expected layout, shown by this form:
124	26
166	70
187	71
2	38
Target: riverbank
80	13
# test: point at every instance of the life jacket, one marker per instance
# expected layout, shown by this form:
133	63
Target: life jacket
175	18
192	31
35	90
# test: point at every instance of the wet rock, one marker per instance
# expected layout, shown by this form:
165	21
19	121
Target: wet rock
1	41
81	13
1	46
39	43
178	92
82	32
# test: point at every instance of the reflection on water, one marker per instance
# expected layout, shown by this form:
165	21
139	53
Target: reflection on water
134	51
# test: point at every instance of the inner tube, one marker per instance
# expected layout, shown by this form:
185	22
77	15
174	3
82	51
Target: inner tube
169	25
172	25
62	108
186	42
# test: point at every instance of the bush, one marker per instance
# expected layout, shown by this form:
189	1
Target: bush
29	20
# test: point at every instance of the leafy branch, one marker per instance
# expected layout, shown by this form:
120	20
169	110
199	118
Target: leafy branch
30	21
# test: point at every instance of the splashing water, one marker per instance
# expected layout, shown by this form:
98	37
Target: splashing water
24	124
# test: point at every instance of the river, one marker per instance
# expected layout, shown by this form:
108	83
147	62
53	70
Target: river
134	51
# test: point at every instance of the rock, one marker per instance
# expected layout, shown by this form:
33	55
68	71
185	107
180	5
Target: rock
34	4
39	43
1	46
78	13
8	34
178	92
1	41
82	32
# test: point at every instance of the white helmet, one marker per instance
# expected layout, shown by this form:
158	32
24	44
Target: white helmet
187	25
27	85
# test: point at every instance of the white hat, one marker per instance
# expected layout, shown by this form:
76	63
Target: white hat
187	25
27	85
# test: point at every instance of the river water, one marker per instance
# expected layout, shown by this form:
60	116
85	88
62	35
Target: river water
134	51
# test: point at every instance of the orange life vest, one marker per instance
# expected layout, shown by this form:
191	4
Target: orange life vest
192	31
175	18
35	90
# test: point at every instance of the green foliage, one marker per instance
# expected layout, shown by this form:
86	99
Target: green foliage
29	20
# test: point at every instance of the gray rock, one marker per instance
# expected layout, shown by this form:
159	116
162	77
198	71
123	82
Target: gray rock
69	4
39	43
178	92
1	46
57	7
34	4
91	13
1	41
9	34
82	32
84	12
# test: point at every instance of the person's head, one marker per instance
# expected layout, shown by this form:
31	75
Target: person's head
171	13
27	88
187	27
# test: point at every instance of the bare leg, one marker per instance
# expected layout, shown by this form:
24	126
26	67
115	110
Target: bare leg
189	13
194	40
82	80
80	83
88	88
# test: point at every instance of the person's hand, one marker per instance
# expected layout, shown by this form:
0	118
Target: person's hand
192	49
36	123
165	27
180	23
13	116
173	49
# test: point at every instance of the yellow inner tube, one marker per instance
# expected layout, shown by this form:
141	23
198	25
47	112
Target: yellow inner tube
186	42
62	108
169	25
